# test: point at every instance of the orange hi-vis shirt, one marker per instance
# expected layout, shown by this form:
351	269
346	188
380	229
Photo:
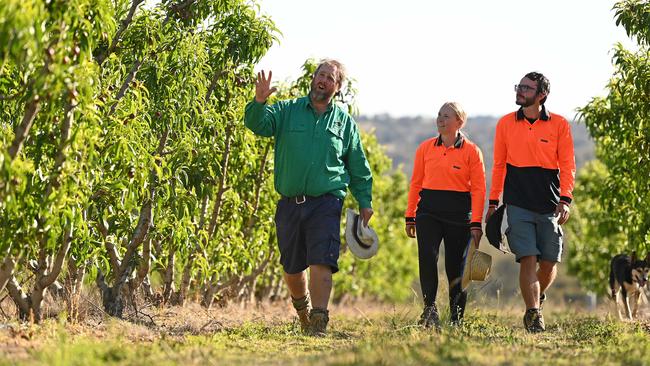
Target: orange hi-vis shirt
534	163
448	173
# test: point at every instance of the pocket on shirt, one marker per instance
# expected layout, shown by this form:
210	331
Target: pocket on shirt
335	140
297	127
548	147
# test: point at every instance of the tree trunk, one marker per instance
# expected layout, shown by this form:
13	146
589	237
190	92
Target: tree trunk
112	297
73	284
6	270
20	299
187	270
209	291
29	304
143	270
168	288
185	281
234	285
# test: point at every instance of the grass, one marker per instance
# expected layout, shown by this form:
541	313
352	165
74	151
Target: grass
385	337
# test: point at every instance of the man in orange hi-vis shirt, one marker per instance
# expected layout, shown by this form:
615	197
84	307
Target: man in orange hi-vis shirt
534	167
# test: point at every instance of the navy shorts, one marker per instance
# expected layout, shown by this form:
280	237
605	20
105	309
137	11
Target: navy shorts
309	232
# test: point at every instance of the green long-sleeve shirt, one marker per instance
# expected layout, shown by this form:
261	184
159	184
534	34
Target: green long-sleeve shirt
314	154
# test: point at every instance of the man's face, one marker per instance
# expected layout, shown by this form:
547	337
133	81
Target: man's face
527	93
324	85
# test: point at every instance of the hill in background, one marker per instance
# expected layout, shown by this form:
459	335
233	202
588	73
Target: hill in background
402	135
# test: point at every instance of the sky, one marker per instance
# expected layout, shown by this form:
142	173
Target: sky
410	56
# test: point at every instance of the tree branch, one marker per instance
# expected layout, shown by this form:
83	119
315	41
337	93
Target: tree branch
124	24
144	222
61	156
258	189
222	183
18	295
139	233
102	229
58	260
22	130
113	256
100	280
125	85
213	84
6	270
144	267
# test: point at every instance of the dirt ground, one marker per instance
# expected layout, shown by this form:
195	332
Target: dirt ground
18	339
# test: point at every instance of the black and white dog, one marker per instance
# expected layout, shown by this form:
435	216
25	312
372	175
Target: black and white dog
628	275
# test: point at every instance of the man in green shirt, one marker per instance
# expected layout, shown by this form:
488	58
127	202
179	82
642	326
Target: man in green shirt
318	154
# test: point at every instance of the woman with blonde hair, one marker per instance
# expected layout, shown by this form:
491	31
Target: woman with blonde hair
445	202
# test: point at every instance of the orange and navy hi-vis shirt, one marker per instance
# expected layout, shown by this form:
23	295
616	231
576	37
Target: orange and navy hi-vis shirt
534	163
448	182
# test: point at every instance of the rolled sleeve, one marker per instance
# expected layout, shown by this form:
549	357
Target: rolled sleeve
359	170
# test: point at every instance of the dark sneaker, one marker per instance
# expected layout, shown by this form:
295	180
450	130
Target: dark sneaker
430	317
542	298
302	306
534	321
318	319
457	309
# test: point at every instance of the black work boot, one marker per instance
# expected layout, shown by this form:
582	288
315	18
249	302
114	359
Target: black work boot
302	306
457	309
430	317
534	321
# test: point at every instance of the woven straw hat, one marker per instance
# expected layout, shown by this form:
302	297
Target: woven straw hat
477	266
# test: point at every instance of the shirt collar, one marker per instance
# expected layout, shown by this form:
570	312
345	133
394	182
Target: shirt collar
329	106
460	140
544	114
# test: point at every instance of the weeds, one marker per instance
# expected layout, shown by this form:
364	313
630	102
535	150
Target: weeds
380	338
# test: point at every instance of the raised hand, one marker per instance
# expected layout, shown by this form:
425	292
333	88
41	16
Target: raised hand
263	87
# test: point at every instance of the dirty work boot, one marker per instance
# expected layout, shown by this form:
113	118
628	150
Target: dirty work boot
430	317
318	319
302	306
534	321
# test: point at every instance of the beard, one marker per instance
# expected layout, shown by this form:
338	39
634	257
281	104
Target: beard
524	102
319	95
